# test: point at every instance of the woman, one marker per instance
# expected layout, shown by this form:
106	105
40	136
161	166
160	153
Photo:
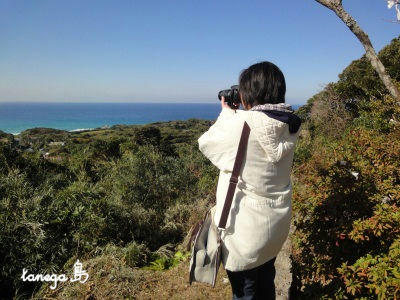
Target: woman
259	219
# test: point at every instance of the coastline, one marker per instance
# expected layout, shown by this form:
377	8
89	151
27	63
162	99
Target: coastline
73	130
77	117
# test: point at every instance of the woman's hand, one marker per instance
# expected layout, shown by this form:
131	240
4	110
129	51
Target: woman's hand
223	104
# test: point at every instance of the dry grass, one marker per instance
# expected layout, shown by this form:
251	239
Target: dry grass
111	278
173	284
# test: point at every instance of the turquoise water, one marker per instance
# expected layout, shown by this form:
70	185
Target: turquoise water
16	117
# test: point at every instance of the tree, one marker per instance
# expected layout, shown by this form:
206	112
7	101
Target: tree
396	4
337	8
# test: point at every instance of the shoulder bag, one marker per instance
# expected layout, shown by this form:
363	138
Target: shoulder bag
205	236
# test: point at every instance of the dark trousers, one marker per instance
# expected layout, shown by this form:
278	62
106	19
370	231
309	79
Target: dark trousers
256	283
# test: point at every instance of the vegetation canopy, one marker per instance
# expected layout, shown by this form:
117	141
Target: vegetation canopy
122	199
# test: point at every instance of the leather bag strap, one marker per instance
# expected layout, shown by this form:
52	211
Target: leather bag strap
235	174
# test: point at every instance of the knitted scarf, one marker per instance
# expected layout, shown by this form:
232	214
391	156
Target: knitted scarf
282	112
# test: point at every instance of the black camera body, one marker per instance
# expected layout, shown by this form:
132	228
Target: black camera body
231	96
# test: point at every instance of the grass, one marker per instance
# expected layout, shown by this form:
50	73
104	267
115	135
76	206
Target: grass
111	278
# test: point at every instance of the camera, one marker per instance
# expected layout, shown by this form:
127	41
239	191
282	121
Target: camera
231	96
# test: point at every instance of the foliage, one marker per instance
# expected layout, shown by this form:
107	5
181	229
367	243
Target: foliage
328	108
374	275
136	255
359	81
162	263
347	195
379	115
136	187
123	198
347	188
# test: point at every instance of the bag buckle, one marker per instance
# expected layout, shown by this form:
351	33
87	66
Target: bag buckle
219	239
233	179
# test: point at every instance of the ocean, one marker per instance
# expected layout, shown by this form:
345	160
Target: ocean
16	117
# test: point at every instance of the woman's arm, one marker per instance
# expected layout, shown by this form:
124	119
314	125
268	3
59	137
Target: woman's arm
219	143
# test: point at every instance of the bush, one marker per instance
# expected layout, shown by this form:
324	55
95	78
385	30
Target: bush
360	81
346	200
137	194
328	114
136	255
374	275
380	115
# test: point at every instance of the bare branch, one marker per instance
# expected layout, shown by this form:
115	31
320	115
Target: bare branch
391	21
330	3
336	6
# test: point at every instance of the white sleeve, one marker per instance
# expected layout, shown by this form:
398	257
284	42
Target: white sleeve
220	142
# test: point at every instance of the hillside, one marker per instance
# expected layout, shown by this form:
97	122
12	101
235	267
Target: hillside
122	199
347	191
67	195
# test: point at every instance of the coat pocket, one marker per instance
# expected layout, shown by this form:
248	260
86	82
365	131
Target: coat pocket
251	230
256	202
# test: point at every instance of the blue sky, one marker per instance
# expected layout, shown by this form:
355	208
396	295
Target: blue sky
184	51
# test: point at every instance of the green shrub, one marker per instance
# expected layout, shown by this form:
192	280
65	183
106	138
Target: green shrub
372	276
136	255
360	81
162	263
108	189
346	202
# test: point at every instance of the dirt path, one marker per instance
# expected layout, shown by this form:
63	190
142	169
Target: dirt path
283	278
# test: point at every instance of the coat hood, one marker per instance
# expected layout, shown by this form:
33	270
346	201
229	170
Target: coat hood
276	129
282	112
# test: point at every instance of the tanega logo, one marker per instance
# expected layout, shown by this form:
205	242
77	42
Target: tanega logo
79	275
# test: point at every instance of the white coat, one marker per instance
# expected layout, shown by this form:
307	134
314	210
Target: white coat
259	219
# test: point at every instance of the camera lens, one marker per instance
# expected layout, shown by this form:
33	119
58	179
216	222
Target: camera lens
226	94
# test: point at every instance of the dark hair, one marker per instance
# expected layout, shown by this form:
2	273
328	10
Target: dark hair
262	83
